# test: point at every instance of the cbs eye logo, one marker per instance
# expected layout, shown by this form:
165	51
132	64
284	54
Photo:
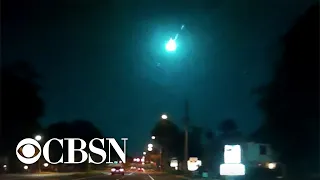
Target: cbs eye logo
28	151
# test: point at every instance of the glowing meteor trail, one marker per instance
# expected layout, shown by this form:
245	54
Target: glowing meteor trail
171	44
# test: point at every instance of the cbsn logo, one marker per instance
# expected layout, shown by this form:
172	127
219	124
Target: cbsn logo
26	151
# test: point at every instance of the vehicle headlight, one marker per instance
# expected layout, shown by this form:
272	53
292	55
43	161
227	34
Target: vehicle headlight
272	165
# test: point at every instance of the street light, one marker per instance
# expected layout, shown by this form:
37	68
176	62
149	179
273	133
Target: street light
164	117
144	153
38	138
150	148
150	145
153	137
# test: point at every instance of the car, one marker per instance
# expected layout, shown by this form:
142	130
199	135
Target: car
140	169
117	170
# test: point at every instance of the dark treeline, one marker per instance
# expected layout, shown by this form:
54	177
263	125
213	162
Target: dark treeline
21	109
291	100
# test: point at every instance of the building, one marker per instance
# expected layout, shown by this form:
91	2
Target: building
257	154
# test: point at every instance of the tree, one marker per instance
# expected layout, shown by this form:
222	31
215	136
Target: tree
212	150
228	126
291	101
168	137
75	129
21	107
195	142
229	130
209	135
171	139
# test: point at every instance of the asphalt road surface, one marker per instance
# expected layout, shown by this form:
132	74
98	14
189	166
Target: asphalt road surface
102	176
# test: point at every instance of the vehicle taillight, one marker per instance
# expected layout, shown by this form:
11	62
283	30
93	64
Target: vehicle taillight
113	169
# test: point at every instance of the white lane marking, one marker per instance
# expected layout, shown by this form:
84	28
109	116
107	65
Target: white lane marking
150	177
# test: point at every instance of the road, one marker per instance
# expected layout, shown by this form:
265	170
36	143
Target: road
100	176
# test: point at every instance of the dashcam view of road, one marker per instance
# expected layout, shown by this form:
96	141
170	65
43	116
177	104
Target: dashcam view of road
159	90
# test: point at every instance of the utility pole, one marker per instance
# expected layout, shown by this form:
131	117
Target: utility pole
39	166
186	131
160	159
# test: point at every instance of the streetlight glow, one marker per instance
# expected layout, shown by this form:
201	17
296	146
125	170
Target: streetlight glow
171	45
153	137
150	149
164	116
38	137
150	145
144	153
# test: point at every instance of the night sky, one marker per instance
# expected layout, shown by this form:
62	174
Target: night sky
105	61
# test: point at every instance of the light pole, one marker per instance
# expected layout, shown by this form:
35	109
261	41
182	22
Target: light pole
160	159
186	134
38	138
